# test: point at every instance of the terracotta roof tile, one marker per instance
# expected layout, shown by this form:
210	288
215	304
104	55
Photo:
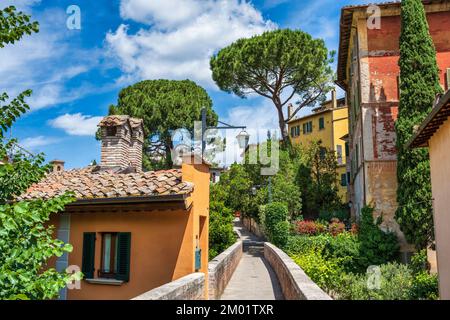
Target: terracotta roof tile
89	184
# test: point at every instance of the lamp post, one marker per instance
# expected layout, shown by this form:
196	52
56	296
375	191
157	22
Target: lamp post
243	137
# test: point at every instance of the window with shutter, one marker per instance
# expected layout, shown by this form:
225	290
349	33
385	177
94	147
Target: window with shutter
344	180
339	154
321	123
448	78
123	256
88	259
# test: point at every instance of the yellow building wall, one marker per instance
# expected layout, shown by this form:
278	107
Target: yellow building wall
340	129
336	126
325	134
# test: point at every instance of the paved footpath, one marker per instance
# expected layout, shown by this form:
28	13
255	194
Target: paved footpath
254	278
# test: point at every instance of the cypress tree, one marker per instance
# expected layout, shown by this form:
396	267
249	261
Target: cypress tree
419	84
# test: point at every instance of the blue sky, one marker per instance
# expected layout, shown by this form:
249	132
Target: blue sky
76	74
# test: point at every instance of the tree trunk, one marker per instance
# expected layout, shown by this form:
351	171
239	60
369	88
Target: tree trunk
282	124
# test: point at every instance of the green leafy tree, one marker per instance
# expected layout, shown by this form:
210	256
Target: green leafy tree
277	65
26	243
419	85
165	106
283	185
237	185
221	234
316	177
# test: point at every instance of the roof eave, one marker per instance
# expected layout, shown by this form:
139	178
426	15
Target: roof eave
419	140
132	200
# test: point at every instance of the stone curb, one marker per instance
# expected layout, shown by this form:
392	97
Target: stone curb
296	285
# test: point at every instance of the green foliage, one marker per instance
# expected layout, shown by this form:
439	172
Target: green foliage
26	242
280	234
299	245
221	234
395	284
316	177
338	265
276	215
164	105
346	248
377	246
262	218
418	88
14	25
19	172
275	65
236	187
419	262
284	186
323	271
340	214
424	287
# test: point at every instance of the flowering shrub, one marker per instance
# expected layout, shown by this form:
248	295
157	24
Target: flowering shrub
307	227
336	227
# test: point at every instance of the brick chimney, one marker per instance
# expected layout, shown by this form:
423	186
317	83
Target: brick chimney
333	98
290	110
58	165
122	140
137	143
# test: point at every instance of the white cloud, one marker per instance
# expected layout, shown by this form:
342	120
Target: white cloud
33	143
165	13
181	36
20	4
76	124
45	62
268	4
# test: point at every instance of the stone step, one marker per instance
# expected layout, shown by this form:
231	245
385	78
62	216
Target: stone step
255	250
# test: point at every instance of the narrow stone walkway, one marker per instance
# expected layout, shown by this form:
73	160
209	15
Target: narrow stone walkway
254	278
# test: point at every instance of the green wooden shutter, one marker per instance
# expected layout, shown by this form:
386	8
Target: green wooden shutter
88	254
344	180
123	256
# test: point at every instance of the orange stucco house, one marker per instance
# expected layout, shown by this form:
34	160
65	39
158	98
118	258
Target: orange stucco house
131	231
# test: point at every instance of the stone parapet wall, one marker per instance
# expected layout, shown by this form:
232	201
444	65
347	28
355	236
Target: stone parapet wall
251	225
190	287
221	268
295	284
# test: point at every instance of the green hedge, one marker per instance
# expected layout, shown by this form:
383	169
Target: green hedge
276	225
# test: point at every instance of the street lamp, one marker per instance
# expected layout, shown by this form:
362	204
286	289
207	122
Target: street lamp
243	137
